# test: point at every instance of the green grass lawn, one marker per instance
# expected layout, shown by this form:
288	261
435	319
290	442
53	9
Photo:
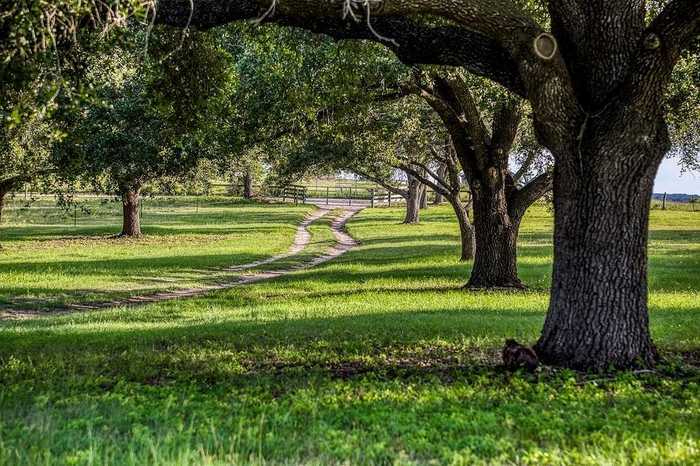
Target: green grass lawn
48	260
377	357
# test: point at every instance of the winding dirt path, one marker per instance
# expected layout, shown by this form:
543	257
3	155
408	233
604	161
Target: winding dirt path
232	276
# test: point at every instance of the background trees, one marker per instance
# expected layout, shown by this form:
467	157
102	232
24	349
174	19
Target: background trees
150	118
499	200
25	146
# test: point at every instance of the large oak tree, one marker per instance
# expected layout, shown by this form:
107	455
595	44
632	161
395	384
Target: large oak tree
596	83
500	198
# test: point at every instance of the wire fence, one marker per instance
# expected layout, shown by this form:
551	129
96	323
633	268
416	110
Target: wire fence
691	206
86	209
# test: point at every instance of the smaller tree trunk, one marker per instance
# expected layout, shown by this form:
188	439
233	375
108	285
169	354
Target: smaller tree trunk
248	185
465	229
495	262
413	201
442	172
424	197
412	210
131	199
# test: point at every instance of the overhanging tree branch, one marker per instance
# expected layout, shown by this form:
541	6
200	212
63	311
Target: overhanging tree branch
457	95
677	25
7	184
525	167
506	121
523	198
424	179
673	30
485	36
381	182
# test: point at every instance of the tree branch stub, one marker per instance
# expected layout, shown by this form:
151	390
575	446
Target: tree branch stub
545	46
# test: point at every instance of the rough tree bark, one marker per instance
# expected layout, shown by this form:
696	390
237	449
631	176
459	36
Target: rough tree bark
598	309
596	87
607	153
131	200
415	190
496	233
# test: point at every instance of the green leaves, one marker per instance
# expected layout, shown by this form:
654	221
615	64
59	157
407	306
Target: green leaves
153	115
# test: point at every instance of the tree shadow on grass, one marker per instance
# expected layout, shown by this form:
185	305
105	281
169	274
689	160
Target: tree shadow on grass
164	273
176	346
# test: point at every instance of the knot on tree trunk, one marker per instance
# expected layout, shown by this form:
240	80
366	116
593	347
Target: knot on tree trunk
546	46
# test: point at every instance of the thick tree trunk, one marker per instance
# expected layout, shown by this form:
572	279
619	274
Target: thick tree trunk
248	185
598	315
496	233
466	230
413	201
131	225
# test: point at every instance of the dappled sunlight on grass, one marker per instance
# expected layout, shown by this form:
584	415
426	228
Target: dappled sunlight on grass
42	265
377	357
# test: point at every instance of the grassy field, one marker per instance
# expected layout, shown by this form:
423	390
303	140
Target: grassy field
51	257
376	358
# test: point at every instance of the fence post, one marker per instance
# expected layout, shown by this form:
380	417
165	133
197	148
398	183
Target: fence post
327	194
389	197
663	205
350	196
371	201
75	215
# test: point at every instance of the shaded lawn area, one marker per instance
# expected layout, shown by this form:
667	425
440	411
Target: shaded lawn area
46	260
376	358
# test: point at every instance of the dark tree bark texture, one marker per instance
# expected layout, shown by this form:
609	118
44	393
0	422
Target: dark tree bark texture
131	200
598	314
496	232
424	198
442	173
